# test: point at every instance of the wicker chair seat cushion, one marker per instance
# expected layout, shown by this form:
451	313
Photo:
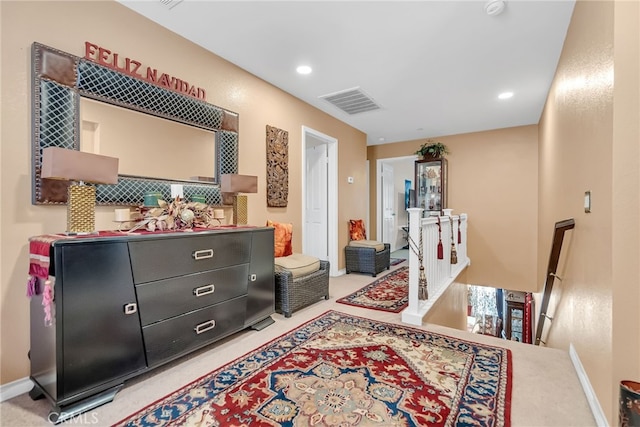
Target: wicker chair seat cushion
298	264
379	246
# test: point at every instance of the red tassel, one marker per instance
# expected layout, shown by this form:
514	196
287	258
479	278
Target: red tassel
440	248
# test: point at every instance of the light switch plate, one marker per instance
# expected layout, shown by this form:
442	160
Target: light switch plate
587	201
177	191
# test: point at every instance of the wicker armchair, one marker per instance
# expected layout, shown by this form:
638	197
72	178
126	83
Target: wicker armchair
367	260
295	293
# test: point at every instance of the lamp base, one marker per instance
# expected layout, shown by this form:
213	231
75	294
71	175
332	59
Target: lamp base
240	215
81	218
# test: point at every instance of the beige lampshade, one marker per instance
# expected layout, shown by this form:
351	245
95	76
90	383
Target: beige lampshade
73	165
234	183
77	166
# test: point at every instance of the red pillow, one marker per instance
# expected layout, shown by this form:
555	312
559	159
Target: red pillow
281	238
357	230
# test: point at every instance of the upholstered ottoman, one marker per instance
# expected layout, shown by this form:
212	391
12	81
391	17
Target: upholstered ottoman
301	280
367	256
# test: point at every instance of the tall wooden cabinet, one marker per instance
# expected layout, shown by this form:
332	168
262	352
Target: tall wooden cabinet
514	315
124	305
431	185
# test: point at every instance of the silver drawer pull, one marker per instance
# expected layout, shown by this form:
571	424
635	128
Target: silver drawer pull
204	327
203	254
204	290
130	308
253	277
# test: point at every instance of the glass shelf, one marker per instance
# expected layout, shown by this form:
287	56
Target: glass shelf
431	186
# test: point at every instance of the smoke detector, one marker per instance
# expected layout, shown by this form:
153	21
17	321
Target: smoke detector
494	7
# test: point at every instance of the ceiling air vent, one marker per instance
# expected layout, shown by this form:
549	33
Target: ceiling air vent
351	101
170	4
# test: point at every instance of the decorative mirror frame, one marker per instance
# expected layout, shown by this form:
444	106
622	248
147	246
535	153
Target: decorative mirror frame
61	79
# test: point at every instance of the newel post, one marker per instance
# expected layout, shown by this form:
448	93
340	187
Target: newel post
411	314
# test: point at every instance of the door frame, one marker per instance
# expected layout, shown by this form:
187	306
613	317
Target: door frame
332	196
381	214
378	180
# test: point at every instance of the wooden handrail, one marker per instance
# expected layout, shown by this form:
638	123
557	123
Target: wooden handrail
558	236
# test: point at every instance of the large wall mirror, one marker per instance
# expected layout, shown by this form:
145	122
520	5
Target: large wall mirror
161	137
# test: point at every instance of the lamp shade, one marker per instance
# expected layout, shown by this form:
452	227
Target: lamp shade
73	165
233	183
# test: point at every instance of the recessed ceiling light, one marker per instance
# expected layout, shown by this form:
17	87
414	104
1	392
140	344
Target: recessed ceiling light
304	69
505	95
381	139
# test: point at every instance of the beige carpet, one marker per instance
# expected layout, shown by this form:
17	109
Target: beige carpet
546	390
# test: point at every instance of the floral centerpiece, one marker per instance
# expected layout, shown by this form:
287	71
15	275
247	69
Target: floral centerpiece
176	215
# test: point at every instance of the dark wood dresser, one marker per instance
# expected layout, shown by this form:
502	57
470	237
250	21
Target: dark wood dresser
127	304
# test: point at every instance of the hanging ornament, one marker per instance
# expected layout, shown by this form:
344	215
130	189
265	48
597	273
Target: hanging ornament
423	292
459	232
454	253
440	248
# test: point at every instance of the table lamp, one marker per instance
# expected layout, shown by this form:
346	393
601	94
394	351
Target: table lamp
231	185
79	168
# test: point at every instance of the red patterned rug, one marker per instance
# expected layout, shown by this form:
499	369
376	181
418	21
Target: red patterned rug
388	293
343	370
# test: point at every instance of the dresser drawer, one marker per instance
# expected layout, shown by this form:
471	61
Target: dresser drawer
178	335
171	257
170	297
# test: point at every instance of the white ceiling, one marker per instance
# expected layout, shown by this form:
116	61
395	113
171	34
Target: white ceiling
435	67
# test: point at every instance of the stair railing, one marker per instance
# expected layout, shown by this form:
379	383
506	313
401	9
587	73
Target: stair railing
560	229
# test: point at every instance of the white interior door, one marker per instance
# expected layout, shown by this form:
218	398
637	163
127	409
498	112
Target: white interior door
320	197
316	199
388	205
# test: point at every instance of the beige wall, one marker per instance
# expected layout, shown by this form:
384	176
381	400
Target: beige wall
451	308
493	178
66	26
589	141
626	197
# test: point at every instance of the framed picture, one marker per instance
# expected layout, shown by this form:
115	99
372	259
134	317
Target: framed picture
407	193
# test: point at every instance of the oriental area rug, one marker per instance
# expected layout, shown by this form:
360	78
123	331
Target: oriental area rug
388	293
343	370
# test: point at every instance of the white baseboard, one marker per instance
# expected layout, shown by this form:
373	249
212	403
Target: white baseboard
594	404
15	388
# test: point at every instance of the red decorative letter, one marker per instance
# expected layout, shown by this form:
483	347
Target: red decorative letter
89	50
133	70
152	74
103	55
115	63
164	80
